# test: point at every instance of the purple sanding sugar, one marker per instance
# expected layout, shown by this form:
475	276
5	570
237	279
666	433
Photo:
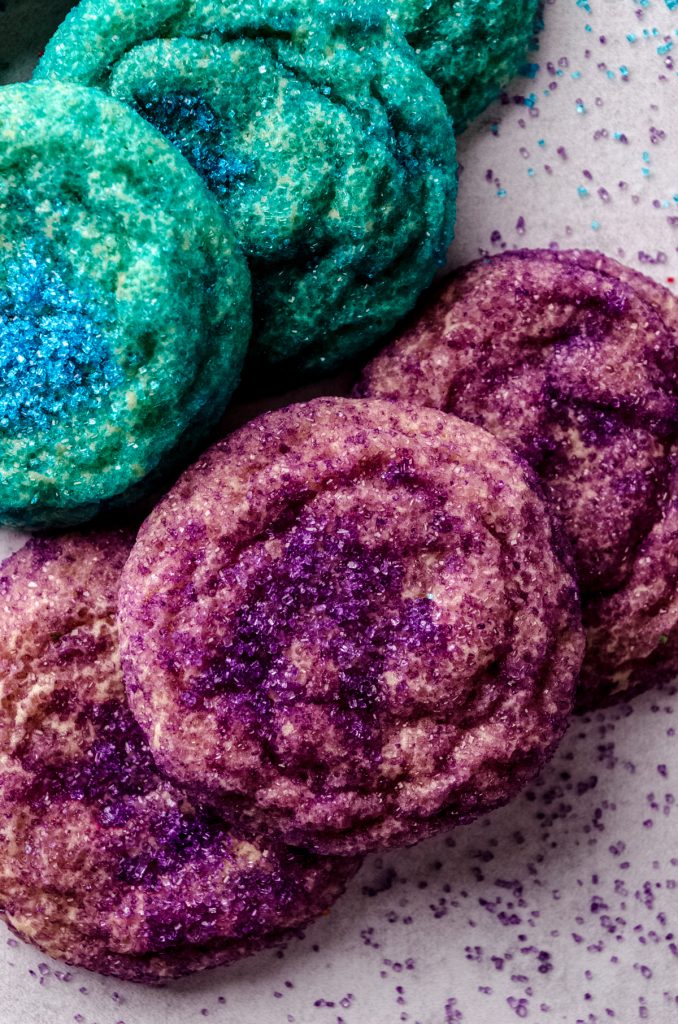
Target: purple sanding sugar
573	360
335	572
162	885
340	616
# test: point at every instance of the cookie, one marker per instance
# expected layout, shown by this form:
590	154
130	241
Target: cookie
470	48
316	129
103	863
572	359
125	305
350	621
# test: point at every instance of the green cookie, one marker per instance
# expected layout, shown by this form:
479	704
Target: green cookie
124	305
470	48
317	130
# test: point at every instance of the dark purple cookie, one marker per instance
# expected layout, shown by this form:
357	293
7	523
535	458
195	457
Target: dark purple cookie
102	863
573	360
349	621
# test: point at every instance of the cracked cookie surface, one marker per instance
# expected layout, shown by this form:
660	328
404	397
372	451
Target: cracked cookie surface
316	129
351	622
470	48
103	863
125	306
572	359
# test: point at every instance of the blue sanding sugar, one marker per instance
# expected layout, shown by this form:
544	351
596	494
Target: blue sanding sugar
190	124
124	306
53	354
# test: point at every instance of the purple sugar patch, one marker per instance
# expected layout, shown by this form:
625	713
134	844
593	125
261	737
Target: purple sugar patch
117	764
163	886
364	618
351	650
572	359
176	839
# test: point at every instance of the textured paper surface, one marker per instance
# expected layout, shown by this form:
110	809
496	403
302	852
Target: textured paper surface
564	906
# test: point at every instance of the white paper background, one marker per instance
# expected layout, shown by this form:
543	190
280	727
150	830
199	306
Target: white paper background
564	906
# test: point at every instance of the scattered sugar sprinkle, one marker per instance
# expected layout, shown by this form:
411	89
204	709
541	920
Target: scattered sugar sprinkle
610	94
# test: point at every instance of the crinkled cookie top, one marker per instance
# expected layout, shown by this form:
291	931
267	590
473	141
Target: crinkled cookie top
351	621
314	126
572	359
102	862
470	48
124	305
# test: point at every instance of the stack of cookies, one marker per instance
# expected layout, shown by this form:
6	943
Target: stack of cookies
356	621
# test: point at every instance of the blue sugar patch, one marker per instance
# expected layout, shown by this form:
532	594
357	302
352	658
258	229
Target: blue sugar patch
190	124
53	355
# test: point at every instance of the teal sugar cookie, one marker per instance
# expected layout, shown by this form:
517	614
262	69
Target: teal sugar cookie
317	130
124	305
470	48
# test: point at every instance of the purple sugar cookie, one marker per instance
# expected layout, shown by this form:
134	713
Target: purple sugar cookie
103	863
350	621
572	359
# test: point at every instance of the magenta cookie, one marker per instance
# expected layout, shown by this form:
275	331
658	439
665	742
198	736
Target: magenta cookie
350	621
102	863
573	360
